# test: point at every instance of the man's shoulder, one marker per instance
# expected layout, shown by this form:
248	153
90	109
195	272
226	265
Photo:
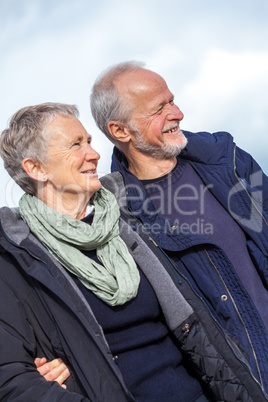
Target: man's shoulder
208	147
206	136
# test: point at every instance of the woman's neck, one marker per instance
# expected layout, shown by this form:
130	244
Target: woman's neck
75	206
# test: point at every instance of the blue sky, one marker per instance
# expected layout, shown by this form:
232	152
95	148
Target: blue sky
212	53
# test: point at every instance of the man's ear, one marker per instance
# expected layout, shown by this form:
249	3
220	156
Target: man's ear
34	169
119	131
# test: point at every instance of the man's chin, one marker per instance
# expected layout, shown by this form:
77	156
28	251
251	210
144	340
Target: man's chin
168	150
171	149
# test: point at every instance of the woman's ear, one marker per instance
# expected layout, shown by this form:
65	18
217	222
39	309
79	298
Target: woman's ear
119	131
34	169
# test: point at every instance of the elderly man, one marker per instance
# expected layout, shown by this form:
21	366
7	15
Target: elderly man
201	200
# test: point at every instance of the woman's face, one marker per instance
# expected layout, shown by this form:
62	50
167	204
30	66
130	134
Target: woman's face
72	162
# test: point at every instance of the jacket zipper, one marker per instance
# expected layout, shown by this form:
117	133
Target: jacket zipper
237	312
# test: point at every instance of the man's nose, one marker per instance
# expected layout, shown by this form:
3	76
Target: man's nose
175	113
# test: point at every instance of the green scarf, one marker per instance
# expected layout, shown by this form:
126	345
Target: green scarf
117	281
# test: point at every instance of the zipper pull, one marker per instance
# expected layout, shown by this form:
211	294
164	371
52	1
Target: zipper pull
152	240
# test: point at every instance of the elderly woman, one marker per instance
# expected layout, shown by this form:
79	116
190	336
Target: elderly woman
71	288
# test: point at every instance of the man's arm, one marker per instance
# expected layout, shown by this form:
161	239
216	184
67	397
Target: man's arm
54	370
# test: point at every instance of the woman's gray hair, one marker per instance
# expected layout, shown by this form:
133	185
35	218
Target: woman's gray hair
106	104
27	137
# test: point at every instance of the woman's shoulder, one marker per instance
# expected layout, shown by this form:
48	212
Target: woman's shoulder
12	226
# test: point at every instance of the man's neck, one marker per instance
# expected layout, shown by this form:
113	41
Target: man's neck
145	167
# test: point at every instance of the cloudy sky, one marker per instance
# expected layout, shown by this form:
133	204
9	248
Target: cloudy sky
212	53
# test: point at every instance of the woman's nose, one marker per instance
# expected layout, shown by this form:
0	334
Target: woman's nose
91	153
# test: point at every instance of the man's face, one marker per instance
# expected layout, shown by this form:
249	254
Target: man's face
155	119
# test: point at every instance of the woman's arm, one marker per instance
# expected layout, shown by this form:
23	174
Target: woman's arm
20	379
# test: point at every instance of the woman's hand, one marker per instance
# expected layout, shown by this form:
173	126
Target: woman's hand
54	370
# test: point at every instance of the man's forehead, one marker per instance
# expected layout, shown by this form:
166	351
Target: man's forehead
138	80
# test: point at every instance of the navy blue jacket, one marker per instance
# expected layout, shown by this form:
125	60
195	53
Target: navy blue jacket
238	183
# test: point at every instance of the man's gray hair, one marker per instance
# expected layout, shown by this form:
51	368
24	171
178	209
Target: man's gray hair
27	137
106	104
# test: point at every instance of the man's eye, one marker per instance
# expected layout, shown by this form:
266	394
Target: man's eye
171	102
76	144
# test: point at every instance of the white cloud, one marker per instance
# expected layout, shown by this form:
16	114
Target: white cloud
230	93
227	74
212	55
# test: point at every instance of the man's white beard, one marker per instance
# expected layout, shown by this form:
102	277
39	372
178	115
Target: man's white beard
166	151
